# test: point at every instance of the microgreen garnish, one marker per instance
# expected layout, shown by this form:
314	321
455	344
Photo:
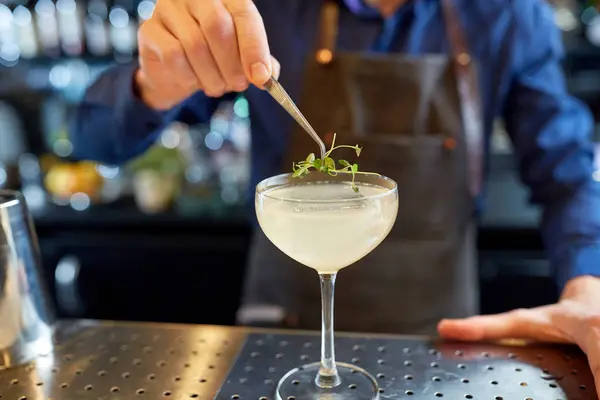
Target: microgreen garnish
328	165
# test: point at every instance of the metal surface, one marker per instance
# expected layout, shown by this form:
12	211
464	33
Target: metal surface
94	360
26	317
283	98
413	367
122	361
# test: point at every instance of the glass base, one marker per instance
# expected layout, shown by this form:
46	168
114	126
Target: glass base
300	384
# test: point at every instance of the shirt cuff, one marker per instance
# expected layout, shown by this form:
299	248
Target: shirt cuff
133	104
584	261
135	117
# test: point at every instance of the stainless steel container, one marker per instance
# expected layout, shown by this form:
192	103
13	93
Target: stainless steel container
26	314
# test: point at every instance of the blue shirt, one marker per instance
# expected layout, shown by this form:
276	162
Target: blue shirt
519	51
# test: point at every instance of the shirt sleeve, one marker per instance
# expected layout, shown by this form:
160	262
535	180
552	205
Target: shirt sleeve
552	136
112	125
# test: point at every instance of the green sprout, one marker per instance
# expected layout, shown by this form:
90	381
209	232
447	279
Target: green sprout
328	165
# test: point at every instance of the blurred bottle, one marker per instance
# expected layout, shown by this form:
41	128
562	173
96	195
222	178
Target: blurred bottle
47	27
9	48
31	182
12	144
123	29
227	143
590	18
145	9
153	192
565	15
96	28
25	32
70	27
53	114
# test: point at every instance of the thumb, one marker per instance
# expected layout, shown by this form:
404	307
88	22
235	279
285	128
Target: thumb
533	324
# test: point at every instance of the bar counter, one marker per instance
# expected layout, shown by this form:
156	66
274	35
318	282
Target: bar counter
108	360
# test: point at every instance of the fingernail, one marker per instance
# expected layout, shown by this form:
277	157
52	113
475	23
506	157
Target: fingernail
259	72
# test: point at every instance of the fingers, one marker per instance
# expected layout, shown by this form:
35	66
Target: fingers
157	46
590	344
535	324
594	361
159	49
252	40
178	21
217	26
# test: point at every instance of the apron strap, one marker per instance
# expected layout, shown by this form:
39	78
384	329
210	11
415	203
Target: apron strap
328	32
468	87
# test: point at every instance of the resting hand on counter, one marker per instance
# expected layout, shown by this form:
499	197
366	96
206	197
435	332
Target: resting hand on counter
214	46
574	319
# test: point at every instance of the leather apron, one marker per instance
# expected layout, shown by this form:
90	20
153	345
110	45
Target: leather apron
419	122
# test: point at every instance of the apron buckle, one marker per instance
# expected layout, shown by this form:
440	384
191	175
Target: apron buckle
324	56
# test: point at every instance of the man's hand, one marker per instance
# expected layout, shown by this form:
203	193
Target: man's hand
574	319
216	46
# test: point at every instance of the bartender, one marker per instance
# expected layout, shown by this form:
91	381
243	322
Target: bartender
419	84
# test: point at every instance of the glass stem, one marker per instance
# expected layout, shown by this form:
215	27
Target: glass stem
328	376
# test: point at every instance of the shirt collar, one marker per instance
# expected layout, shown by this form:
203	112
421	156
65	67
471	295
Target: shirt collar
359	7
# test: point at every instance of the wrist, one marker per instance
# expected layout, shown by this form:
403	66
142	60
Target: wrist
144	92
580	284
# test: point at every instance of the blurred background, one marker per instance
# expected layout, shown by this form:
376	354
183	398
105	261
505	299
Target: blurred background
165	237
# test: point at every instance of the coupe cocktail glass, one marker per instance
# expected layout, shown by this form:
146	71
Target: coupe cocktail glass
322	222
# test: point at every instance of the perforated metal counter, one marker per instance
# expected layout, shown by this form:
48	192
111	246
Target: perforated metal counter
101	360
